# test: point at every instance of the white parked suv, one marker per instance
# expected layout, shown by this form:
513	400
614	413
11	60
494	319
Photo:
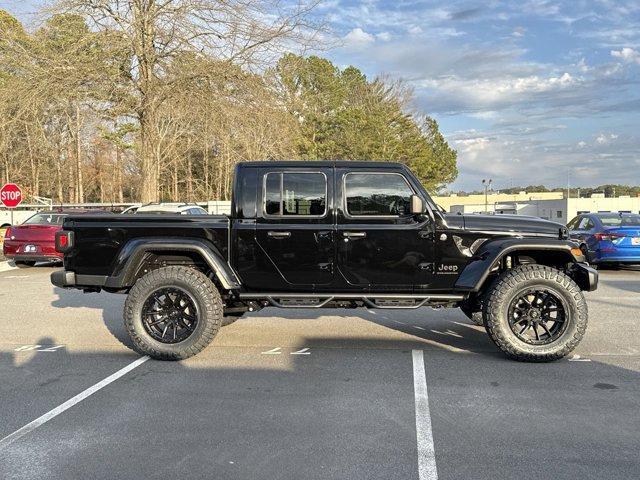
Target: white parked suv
175	208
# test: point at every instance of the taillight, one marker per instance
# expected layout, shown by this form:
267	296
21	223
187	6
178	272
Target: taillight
64	241
7	233
609	237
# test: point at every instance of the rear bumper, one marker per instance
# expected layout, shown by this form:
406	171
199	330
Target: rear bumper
617	254
632	259
34	258
67	279
44	252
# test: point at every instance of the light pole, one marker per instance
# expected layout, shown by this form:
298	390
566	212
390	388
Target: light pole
487	186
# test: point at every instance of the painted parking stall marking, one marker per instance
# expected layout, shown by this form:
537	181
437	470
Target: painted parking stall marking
426	451
278	351
29	427
39	348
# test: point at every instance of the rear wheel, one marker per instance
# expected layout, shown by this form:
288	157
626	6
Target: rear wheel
173	313
535	313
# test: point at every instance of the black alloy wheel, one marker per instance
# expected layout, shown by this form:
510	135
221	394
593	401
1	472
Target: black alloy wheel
537	316
170	315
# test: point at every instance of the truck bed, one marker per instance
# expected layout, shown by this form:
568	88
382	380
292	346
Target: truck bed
101	239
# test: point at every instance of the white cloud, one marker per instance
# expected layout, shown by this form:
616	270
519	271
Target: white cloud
627	54
384	36
358	38
498	90
582	144
582	65
519	32
415	30
604	138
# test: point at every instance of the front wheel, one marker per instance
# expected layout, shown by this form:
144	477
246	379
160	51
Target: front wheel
172	313
535	313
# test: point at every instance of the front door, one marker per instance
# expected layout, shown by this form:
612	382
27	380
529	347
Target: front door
381	245
295	229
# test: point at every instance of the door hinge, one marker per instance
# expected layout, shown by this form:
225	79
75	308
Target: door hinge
427	235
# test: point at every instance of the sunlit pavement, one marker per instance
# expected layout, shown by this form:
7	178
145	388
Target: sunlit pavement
313	394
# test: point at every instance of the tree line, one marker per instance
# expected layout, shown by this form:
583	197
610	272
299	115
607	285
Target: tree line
142	100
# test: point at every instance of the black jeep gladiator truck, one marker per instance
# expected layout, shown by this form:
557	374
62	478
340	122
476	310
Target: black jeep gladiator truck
331	235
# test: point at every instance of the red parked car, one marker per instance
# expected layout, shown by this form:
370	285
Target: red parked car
34	240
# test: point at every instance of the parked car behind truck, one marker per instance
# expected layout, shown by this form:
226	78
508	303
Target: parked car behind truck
607	239
34	240
330	234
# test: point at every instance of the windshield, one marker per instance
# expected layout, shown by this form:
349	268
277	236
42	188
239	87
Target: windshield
620	220
45	219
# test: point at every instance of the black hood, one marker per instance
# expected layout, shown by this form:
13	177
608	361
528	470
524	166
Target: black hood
508	224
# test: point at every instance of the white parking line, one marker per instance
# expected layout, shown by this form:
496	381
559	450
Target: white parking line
9	439
426	452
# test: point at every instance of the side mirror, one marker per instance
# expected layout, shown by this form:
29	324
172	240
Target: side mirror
417	205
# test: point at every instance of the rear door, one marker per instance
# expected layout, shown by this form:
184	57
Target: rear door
380	245
295	228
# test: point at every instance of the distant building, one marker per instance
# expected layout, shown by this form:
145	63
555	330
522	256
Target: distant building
477	202
559	210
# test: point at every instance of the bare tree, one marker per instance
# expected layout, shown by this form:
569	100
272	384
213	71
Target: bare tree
245	32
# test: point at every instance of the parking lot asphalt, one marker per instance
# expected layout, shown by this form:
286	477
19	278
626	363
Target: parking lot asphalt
319	394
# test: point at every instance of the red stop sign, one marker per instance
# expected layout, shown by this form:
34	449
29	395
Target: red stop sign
10	195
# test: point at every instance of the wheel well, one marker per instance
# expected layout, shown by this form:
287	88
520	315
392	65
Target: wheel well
559	259
164	258
551	258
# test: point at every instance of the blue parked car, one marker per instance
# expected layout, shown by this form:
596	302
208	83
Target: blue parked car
607	238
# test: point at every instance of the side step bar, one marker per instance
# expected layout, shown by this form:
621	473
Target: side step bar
389	301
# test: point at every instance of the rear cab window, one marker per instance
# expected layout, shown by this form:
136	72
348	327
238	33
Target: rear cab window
295	194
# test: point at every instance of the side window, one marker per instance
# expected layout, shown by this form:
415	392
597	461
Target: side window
584	222
377	194
590	225
295	194
573	223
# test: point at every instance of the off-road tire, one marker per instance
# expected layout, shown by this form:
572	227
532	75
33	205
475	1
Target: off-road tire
477	318
505	289
203	292
25	264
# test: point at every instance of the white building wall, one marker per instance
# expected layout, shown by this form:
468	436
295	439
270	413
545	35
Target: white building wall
559	210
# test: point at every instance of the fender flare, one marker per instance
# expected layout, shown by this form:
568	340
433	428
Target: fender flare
134	252
477	270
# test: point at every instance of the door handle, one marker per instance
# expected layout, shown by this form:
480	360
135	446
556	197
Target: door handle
279	234
355	234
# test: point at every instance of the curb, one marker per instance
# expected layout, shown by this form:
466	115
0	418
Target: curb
5	267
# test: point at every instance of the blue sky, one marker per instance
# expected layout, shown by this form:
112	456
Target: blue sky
526	91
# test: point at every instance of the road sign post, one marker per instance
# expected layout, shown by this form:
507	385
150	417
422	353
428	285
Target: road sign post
10	195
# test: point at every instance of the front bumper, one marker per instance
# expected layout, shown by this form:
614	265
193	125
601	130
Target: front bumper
586	277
